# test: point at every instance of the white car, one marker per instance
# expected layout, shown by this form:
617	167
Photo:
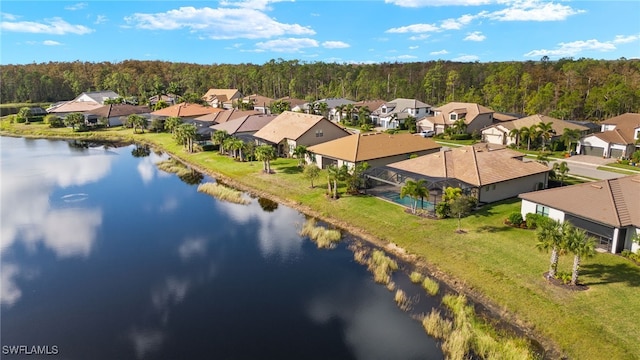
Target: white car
427	133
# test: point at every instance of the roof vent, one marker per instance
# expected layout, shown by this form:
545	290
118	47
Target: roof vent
636	179
596	186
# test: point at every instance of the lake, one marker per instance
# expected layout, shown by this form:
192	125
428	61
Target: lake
103	256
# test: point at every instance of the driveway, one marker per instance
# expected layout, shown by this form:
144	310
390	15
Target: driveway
585	165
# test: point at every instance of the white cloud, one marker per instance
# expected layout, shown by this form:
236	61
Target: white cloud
9	17
456	24
415	28
252	4
466	58
475	36
78	6
291	45
101	19
441	52
413	47
424	3
335	45
54	26
221	23
532	10
419	37
574	48
622	39
9	291
51	43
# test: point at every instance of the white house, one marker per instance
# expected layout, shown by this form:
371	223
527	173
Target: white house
617	139
608	210
499	133
393	113
476	117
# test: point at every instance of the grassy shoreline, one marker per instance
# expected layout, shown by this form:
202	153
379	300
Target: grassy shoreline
494	265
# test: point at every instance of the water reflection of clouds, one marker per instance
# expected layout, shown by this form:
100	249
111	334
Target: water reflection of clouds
192	247
147	167
277	235
28	214
145	341
373	326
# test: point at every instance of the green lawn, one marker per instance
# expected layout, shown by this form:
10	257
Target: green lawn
616	169
498	262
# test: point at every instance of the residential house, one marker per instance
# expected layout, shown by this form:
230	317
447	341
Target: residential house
170	99
476	117
259	103
617	139
293	102
499	133
377	149
223	116
222	98
391	114
185	110
291	129
86	101
487	172
608	210
115	113
245	126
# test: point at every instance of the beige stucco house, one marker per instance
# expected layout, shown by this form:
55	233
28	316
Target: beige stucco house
499	133
476	117
291	129
617	139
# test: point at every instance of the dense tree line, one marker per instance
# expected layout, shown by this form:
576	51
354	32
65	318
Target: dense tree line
567	88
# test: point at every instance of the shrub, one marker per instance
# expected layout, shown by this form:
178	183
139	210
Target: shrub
436	326
443	210
564	276
223	193
515	218
430	286
381	266
403	301
416	277
534	220
461	136
54	121
323	237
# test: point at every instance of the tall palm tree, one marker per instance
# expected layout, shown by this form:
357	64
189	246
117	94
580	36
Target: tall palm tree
545	131
416	190
350	109
560	171
237	145
218	138
582	246
300	152
569	136
339	110
514	134
459	126
335	173
550	238
185	134
265	153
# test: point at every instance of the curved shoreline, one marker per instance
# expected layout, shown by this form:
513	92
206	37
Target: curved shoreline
504	318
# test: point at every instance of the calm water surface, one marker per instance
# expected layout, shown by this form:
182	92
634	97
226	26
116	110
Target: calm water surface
105	257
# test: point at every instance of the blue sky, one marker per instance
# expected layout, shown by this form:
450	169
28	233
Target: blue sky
256	31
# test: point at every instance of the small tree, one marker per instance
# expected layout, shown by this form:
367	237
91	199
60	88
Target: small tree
265	153
560	171
218	138
157	125
462	206
74	120
354	179
311	172
54	121
416	190
300	152
582	246
185	135
24	115
171	123
550	237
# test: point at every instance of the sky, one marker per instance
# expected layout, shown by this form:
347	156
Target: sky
257	31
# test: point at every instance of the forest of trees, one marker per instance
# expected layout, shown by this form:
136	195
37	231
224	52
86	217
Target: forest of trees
582	89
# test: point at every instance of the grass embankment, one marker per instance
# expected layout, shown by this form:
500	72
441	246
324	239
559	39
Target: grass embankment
634	169
223	193
492	263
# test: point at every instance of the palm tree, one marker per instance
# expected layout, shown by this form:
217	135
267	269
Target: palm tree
185	134
363	116
459	126
582	246
172	122
237	145
350	109
543	159
569	136
354	179
300	152
339	109
514	134
218	138
550	237
322	108
228	145
545	132
416	190
265	153
560	171
335	174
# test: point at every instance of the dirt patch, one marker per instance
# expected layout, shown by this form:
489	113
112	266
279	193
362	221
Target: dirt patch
559	283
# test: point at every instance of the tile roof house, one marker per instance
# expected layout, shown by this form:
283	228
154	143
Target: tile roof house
84	102
393	113
222	116
170	99
332	104
609	210
377	149
291	129
475	116
499	133
245	126
293	102
221	98
115	113
490	174
185	110
617	139
260	103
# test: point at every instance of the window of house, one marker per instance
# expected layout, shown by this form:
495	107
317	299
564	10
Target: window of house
493	187
319	133
453	116
542	210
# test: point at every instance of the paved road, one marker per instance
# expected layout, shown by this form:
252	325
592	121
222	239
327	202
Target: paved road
588	170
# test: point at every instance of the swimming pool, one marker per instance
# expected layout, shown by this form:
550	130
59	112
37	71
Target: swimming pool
406	201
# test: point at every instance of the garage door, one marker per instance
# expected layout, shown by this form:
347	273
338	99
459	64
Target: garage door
592	150
615	153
